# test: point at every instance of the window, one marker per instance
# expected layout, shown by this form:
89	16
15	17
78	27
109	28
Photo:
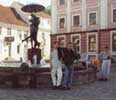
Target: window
76	42
9	49
75	0
92	19
61	2
18	48
43	35
43	39
114	42
114	58
92	43
114	15
76	21
19	33
8	31
61	40
25	34
62	21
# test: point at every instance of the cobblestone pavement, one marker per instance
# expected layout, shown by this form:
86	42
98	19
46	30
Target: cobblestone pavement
93	91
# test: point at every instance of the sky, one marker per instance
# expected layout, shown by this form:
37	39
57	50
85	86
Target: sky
9	2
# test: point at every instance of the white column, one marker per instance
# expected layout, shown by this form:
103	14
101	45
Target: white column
103	13
54	16
68	17
84	15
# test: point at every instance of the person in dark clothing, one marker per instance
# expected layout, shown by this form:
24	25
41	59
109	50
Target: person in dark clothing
60	49
68	58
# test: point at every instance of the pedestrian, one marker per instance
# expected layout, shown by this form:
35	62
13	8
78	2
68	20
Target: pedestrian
56	68
105	57
69	57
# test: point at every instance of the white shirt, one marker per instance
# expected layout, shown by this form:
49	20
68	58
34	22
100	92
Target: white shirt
54	58
104	55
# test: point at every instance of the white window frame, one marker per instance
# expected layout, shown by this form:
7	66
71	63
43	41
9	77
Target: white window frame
80	22
96	34
111	34
9	31
75	1
60	36
73	35
62	4
112	14
59	22
26	33
96	17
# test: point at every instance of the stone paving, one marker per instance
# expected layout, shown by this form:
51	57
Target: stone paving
93	91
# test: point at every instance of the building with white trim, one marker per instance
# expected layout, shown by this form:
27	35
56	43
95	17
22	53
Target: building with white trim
90	22
12	31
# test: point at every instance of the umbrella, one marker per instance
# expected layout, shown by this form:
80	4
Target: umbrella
33	8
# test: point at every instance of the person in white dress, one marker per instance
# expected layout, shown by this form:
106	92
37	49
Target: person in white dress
105	57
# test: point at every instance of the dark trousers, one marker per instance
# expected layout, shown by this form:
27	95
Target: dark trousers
68	74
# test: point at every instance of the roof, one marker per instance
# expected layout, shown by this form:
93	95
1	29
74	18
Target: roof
43	14
9	15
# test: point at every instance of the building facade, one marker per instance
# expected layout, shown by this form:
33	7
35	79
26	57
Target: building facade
89	24
12	31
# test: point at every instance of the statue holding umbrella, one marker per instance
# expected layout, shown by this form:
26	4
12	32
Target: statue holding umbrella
35	21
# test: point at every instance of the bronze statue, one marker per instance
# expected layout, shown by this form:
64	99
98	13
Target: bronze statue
35	21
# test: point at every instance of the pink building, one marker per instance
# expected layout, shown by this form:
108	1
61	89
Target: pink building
90	23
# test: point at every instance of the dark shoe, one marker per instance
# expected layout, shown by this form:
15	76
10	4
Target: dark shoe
66	88
59	87
54	87
105	79
101	79
63	88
